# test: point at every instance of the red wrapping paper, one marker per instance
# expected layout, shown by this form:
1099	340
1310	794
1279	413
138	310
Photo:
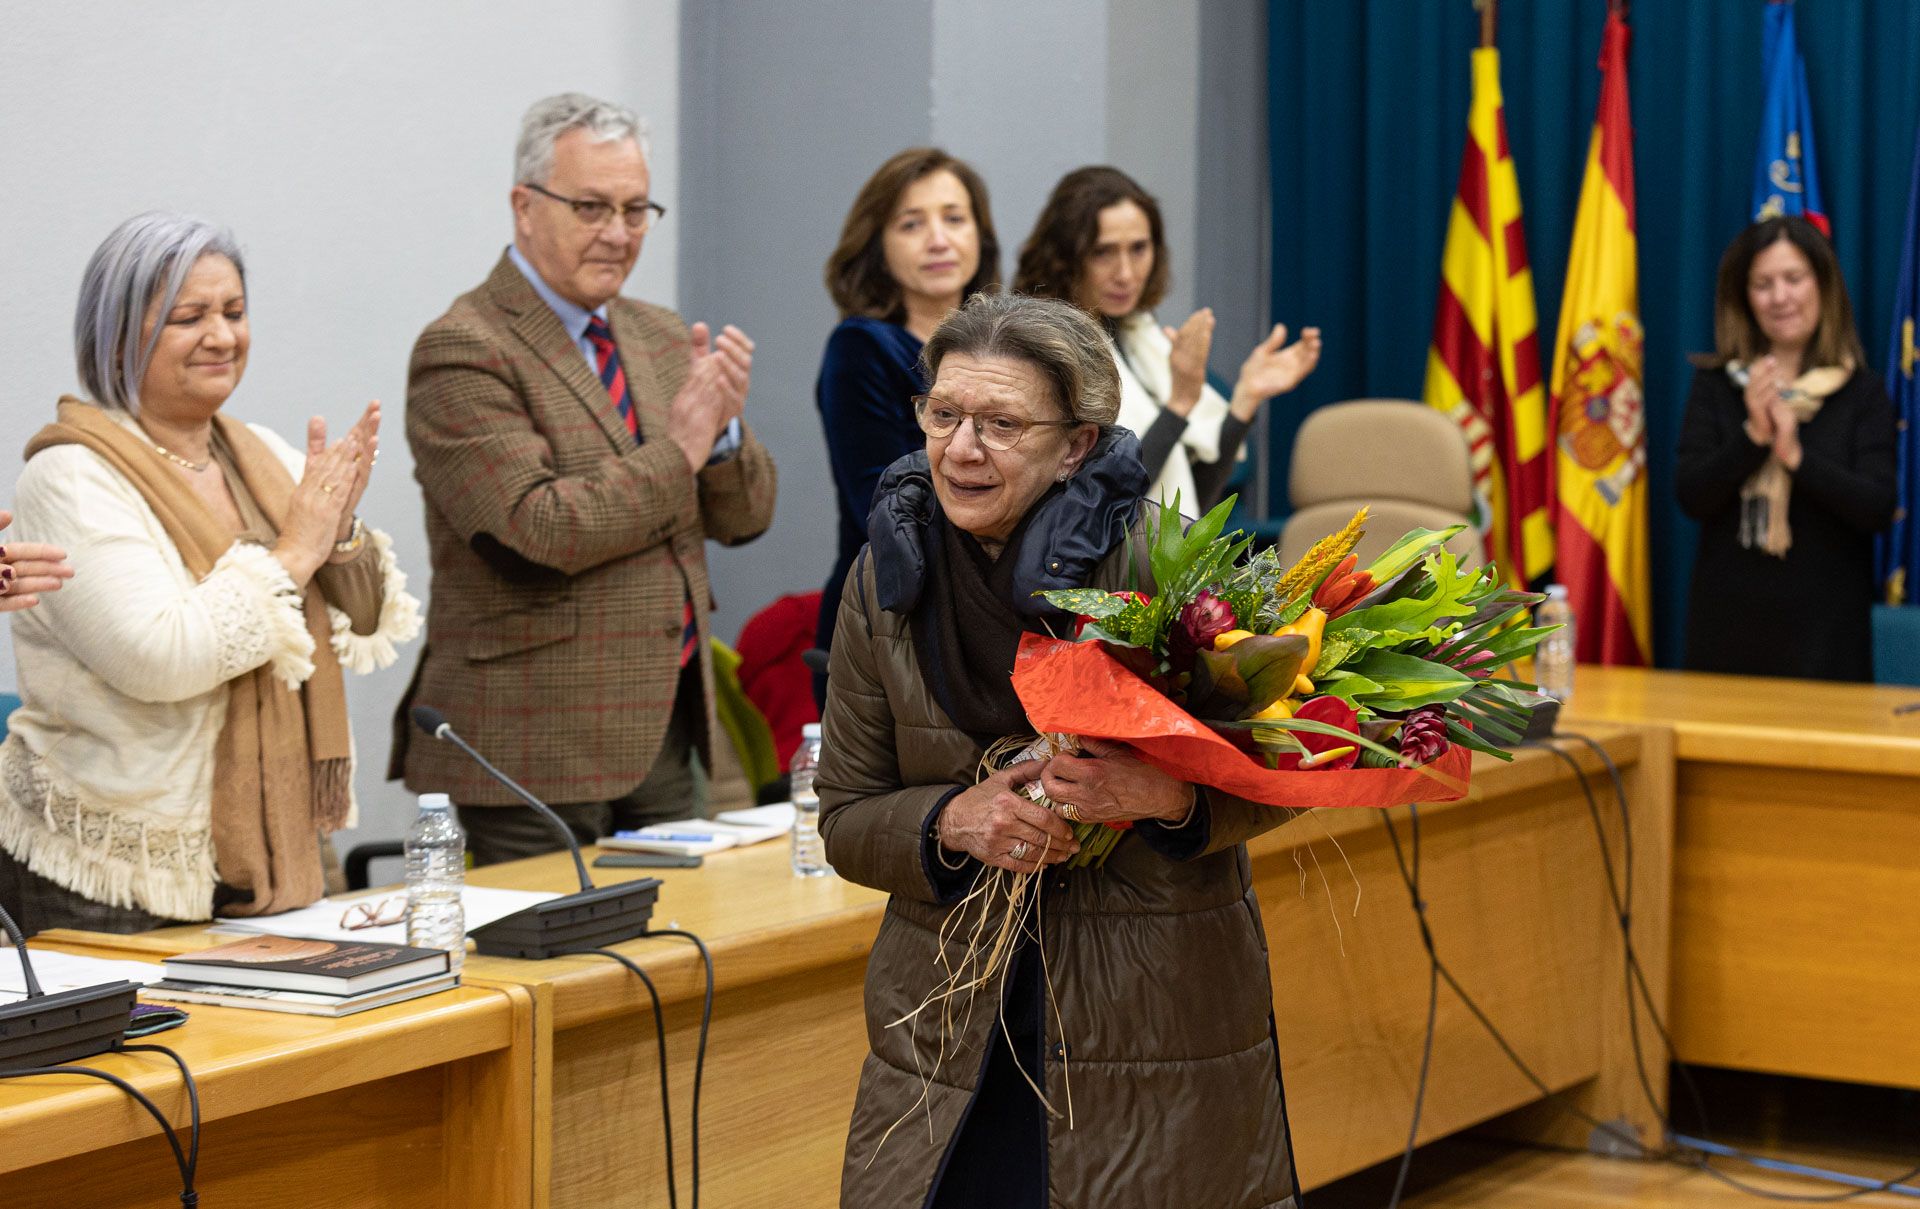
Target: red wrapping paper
1077	688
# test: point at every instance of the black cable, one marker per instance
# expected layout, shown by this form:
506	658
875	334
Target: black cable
660	1031
700	1051
1636	975
699	1057
193	1104
188	1197
1433	997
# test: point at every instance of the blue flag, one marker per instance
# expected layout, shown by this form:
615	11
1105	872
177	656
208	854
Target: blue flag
1897	550
1784	180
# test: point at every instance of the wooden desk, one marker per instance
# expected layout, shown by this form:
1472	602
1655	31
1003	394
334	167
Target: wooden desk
1796	868
1518	910
1517	906
425	1103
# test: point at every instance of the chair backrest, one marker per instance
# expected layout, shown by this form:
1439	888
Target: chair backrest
1406	461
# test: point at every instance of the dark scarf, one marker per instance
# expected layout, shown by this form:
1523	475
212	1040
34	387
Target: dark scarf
968	610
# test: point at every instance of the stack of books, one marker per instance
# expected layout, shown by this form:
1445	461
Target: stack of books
698	837
311	977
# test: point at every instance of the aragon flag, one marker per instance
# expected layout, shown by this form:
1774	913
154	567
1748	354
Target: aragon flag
1785	179
1484	367
1601	461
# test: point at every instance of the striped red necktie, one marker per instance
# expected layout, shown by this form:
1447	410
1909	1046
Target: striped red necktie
614	378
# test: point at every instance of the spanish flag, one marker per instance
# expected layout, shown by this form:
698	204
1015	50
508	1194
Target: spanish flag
1601	464
1484	367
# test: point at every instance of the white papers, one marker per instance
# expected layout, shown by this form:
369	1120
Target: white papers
68	972
776	819
697	837
321	921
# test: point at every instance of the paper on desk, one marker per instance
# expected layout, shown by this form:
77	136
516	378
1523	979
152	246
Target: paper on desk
68	971
321	921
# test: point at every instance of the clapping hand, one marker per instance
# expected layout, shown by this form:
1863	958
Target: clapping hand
320	511
1786	436
366	432
715	393
1188	360
1274	367
1762	398
27	569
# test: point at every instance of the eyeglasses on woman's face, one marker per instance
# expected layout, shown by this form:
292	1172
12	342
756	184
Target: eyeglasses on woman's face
997	430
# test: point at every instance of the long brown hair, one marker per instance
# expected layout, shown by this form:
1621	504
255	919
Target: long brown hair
1054	258
857	275
1736	333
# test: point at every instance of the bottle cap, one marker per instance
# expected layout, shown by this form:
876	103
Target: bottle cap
810	730
435	801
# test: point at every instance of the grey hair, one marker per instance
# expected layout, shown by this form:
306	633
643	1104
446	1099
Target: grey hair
1057	338
143	262
550	117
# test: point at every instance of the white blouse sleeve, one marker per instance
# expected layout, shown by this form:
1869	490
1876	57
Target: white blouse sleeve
131	613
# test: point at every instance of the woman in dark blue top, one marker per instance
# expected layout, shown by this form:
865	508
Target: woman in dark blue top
917	243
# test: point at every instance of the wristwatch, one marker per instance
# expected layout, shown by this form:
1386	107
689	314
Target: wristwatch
356	538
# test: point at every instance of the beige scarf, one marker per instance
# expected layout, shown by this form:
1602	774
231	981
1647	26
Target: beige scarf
282	766
1767	492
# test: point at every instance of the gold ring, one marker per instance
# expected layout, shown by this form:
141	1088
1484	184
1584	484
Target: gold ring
1070	812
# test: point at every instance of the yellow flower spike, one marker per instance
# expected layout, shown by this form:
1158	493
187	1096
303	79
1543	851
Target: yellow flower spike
1321	558
1279	709
1326	757
1223	641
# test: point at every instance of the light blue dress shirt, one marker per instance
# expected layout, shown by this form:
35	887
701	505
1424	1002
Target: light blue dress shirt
574	318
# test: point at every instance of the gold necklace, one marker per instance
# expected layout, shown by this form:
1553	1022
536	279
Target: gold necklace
177	460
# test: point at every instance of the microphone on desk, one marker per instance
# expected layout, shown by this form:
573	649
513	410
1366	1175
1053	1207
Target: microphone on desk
586	919
47	1030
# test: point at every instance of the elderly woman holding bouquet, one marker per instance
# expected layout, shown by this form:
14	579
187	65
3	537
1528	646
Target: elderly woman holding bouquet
1144	981
183	746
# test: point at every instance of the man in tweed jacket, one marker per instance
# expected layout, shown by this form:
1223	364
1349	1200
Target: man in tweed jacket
577	450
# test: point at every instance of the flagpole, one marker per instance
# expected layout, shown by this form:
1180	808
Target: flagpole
1489	11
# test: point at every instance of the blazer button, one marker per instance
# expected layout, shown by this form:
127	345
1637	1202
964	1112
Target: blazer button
1054	565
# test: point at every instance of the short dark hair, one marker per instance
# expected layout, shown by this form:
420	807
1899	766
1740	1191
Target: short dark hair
1736	333
1054	258
1057	338
857	276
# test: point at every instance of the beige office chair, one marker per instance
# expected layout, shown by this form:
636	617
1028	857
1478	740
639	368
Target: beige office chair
1406	461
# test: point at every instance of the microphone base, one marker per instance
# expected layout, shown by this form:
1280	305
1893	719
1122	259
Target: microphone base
587	919
60	1027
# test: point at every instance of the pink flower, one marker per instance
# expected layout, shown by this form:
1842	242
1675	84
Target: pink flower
1204	619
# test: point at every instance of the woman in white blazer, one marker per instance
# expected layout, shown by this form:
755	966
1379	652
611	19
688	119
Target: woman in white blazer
1099	243
182	745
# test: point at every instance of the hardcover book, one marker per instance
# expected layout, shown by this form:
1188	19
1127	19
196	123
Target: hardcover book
288	963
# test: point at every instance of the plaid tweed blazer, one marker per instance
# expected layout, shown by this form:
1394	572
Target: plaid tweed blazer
562	551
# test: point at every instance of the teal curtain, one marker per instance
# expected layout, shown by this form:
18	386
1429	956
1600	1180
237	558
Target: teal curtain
1367	112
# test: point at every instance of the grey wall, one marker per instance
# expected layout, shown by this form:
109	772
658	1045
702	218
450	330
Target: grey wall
362	152
786	112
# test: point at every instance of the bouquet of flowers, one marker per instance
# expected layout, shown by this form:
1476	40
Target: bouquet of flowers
1321	683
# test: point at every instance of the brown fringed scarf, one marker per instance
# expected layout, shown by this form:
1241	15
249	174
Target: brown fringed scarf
1768	491
282	767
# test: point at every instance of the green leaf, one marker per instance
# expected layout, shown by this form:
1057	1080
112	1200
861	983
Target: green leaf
1346	686
1414	613
1335	651
1409	550
1094	632
1309	726
1472	742
1088	602
1246	677
1408	682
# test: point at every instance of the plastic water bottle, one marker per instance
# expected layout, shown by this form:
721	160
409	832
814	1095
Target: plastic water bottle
809	850
436	874
1553	659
